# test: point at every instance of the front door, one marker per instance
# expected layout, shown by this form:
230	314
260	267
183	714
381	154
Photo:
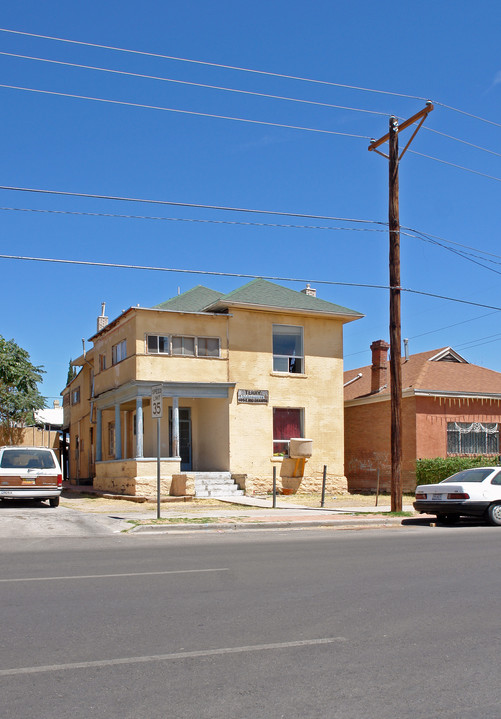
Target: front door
184	437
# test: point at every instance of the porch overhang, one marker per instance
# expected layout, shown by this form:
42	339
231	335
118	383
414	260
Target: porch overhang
142	388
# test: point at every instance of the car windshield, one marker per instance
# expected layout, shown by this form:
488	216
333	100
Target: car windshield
470	475
27	459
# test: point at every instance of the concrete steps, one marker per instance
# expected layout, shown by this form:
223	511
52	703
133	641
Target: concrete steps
216	484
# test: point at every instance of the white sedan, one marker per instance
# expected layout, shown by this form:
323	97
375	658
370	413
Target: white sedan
471	493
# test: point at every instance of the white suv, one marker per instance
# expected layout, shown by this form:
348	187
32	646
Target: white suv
471	493
30	473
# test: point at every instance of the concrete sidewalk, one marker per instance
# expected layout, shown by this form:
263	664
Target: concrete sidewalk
245	513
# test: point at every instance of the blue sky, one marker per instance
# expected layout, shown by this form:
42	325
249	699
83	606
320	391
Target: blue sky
447	52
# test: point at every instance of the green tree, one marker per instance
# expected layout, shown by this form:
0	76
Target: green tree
72	373
19	394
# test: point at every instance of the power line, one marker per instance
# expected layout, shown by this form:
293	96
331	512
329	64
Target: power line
431	332
190	204
212	64
182	112
452	164
235	119
464	142
193	84
234	90
247	70
468	114
116	265
190	219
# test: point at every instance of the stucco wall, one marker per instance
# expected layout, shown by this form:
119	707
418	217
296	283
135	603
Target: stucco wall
318	392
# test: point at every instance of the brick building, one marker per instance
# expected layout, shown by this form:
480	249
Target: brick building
449	407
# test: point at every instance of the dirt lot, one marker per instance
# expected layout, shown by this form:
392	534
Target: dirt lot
92	503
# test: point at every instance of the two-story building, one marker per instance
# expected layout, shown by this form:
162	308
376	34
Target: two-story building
240	375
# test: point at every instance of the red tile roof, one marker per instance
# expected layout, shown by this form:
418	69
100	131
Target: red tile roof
420	372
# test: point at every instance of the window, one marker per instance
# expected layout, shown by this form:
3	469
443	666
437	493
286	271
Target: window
158	344
184	346
288	349
472	438
208	346
111	439
75	396
102	362
287	423
119	352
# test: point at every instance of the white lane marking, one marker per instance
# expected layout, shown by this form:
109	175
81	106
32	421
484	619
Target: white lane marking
108	576
167	657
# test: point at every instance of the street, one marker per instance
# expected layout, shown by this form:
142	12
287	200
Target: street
377	623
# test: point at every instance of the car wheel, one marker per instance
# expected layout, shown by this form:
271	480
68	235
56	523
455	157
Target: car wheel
494	514
54	501
448	518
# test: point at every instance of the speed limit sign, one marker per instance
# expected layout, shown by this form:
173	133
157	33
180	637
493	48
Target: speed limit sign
156	401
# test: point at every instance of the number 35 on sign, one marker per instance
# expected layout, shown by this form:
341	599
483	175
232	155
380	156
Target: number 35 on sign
156	401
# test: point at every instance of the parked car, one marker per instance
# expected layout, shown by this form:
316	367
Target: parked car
30	473
471	493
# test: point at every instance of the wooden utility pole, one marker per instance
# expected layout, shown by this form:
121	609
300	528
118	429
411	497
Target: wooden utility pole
395	318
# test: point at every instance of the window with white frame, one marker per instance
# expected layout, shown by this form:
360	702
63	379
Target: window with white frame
472	438
119	352
158	344
288	353
75	395
102	363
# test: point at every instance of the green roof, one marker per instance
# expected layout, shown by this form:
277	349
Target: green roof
194	300
268	294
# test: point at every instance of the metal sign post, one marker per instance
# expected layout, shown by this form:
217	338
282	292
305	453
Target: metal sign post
156	413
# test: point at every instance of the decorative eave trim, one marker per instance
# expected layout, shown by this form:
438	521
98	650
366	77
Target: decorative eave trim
286	310
445	352
452	394
412	392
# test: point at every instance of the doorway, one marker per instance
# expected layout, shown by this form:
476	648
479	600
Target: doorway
184	437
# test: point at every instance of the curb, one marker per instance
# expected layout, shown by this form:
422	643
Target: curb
286	524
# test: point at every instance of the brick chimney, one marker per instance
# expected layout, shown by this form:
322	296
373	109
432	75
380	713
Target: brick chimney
379	366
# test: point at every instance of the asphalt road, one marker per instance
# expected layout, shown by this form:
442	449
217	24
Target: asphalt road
350	625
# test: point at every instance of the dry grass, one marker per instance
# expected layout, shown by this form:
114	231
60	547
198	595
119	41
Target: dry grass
105	505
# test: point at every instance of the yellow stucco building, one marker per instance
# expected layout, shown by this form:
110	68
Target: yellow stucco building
239	376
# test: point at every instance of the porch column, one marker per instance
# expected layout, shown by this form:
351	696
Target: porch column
118	433
124	448
99	435
139	427
175	427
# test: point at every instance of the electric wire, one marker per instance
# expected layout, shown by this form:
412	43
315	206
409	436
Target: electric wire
247	70
214	273
458	139
195	84
235	90
191	219
239	91
190	204
212	64
234	119
182	112
453	164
